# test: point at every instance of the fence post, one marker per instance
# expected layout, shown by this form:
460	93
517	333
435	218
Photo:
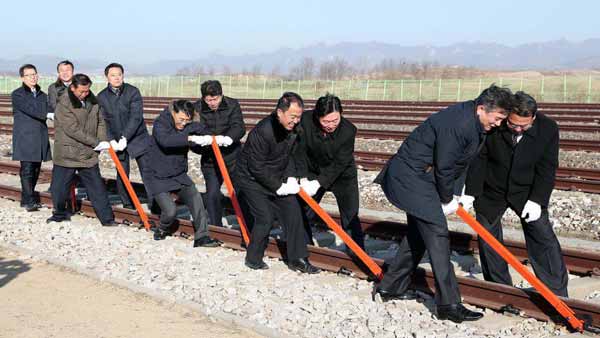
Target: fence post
316	91
439	89
501	81
565	87
264	87
458	90
298	91
168	84
281	86
151	86
200	84
230	89
542	89
521	86
158	89
332	84
401	89
349	93
420	89
589	93
384	89
479	88
247	86
367	91
181	90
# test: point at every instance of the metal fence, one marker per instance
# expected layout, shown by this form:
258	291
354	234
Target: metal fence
583	88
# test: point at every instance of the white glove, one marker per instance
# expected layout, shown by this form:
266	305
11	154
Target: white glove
289	188
311	187
466	201
102	146
50	116
115	145
201	140
122	143
531	211
224	141
450	208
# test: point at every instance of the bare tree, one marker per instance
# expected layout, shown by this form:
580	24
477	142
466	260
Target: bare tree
336	69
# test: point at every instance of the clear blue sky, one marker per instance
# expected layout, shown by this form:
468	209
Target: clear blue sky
147	31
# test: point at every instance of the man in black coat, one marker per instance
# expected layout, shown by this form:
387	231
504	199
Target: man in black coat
327	148
124	115
422	179
55	90
516	169
221	116
30	144
166	174
267	185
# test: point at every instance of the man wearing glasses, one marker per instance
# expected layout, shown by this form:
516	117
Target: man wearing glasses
516	169
30	143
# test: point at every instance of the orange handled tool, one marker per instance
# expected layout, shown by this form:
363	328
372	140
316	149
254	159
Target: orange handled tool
132	195
362	255
232	195
558	304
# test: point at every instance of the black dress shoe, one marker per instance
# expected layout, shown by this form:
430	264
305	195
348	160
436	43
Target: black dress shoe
110	224
32	207
457	313
256	266
160	234
303	265
207	242
386	295
55	218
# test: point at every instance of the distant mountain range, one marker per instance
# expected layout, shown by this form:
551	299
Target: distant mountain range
551	55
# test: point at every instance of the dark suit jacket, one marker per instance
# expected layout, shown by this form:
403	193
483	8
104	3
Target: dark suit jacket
428	168
124	115
503	174
327	157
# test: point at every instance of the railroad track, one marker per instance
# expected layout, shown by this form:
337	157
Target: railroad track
476	292
396	120
381	107
586	180
582	263
566	144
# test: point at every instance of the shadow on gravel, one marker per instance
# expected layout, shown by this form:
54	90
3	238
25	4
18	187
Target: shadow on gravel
10	269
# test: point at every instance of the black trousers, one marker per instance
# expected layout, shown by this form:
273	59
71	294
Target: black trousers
423	235
543	250
346	195
94	185
213	180
142	165
260	211
190	196
29	174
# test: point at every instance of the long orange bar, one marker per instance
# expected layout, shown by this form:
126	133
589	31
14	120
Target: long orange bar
362	255
231	190
556	302
132	195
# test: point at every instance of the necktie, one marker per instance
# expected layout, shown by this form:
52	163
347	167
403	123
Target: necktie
515	139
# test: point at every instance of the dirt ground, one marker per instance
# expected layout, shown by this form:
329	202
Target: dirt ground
38	299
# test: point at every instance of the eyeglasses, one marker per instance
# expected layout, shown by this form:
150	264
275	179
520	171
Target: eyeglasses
516	126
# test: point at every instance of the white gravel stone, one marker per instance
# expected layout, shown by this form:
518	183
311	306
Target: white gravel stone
324	305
